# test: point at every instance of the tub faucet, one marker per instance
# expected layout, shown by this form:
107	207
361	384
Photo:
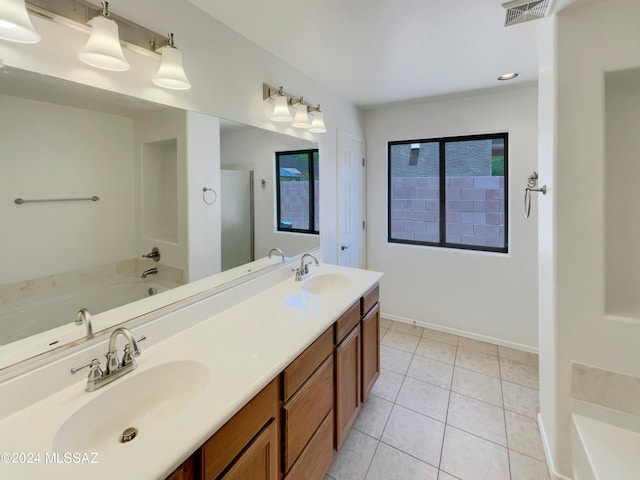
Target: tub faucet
277	251
85	317
115	368
304	267
151	271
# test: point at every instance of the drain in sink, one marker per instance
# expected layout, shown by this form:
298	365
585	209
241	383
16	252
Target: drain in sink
128	435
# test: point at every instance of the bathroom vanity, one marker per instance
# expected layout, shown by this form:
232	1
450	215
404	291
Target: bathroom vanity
262	381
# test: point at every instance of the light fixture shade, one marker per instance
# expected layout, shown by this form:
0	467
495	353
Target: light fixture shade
15	24
171	72
103	49
281	112
301	120
317	125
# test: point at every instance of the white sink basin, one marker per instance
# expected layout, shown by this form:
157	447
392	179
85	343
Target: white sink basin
325	283
142	401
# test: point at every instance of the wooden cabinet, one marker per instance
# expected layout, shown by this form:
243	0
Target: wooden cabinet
231	445
370	349
316	458
259	459
186	471
347	403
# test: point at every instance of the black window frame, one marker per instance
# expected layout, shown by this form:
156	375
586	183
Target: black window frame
312	189
442	141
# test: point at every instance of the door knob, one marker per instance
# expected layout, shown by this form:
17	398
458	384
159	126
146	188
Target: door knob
344	247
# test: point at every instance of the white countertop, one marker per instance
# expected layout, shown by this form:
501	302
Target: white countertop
244	347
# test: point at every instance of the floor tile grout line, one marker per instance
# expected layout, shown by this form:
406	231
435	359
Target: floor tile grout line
446	417
504	414
409	455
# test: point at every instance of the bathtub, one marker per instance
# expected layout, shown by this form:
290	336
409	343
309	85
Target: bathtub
605	443
36	325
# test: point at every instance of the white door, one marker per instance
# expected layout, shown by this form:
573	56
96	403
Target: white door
351	201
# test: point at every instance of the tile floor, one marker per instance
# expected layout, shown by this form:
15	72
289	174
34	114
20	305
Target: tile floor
445	408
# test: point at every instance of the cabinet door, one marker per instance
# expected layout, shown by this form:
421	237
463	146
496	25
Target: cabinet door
370	350
347	362
259	460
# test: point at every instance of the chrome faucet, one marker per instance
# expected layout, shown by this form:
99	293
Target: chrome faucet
151	271
303	269
154	255
115	368
277	251
85	317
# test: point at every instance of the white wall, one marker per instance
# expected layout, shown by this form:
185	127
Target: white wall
483	294
226	70
255	149
80	153
589	39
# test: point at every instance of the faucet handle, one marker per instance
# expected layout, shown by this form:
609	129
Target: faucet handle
95	372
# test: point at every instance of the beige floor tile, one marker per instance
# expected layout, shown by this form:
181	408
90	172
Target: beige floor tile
518	355
395	360
354	457
383	332
477	385
407	328
521	373
523	435
527	468
473	458
430	348
477	417
328	477
424	398
415	434
440	336
445	476
521	399
391	464
478	346
373	416
385	322
478	362
388	385
400	340
431	371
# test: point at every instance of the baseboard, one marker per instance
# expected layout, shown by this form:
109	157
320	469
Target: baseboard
461	333
547	452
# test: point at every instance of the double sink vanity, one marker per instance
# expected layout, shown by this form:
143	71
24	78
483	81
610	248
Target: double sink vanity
261	381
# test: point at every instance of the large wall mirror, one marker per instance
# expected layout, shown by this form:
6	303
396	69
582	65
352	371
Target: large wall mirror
103	179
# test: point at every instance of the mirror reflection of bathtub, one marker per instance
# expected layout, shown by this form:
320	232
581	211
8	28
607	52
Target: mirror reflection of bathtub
87	254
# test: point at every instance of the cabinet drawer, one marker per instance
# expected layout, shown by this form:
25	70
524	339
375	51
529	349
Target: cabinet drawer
225	445
259	460
316	459
369	299
347	321
302	367
302	415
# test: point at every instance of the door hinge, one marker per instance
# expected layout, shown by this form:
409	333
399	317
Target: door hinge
363	225
363	161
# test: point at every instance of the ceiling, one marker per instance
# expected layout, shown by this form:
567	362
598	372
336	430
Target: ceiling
375	52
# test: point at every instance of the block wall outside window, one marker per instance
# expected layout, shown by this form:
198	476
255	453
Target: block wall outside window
449	192
297	187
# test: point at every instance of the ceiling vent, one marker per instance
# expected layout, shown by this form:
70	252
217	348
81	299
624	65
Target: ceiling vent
520	11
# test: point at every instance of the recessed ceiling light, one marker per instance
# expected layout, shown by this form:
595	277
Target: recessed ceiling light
508	76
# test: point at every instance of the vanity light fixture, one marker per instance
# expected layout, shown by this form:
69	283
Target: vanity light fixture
508	76
15	24
171	72
281	112
103	49
317	125
301	120
283	102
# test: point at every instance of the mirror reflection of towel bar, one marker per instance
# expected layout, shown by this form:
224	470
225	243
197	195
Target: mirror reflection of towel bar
20	201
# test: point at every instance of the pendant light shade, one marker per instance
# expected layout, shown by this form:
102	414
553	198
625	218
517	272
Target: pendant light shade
317	125
171	72
301	120
15	24
281	111
103	49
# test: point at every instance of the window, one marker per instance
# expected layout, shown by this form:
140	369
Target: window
449	192
297	176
